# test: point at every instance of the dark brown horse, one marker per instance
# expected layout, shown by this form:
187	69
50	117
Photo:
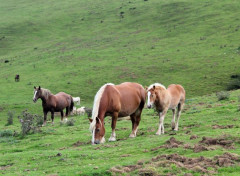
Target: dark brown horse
53	103
126	99
17	78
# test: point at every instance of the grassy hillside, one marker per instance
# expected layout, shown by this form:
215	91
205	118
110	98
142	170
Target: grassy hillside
77	46
66	150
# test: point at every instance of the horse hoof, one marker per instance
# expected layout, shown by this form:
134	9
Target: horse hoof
112	139
132	135
157	133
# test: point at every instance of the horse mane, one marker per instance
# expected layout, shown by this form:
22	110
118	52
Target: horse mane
96	104
156	85
46	93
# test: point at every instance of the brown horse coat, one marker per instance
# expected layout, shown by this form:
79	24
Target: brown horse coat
126	99
53	103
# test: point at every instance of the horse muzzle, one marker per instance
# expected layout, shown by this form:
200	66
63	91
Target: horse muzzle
149	106
34	100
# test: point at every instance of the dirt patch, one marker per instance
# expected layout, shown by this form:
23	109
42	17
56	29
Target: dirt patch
221	141
200	164
171	143
193	137
79	143
4	167
222	126
125	155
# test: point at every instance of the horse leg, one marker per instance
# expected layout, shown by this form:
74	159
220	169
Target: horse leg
173	119
161	126
52	117
114	121
180	107
67	111
62	115
45	118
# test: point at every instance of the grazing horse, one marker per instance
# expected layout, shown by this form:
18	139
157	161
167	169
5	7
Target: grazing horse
117	101
171	98
17	78
53	103
77	100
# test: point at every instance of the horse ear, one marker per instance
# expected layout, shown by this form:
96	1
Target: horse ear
90	120
34	87
153	87
39	88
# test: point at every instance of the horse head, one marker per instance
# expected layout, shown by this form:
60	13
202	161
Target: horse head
151	92
98	131
36	93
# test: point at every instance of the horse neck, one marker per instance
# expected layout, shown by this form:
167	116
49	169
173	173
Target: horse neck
159	97
44	99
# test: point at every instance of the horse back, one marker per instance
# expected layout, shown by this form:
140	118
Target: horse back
177	93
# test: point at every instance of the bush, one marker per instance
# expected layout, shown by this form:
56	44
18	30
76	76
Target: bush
6	133
10	118
223	95
70	122
29	122
234	83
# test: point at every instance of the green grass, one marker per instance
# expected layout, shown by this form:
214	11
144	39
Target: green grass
36	154
77	46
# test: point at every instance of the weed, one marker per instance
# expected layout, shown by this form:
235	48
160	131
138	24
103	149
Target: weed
6	133
10	118
70	122
223	95
29	123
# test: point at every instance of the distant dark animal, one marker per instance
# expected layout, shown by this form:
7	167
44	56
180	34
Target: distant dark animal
17	78
164	99
89	112
117	101
53	103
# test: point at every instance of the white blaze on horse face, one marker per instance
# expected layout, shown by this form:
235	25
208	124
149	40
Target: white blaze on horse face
93	135
149	104
34	96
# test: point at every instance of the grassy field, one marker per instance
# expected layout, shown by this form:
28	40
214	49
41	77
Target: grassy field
77	46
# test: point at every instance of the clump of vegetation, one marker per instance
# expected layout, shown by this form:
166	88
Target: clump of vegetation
239	103
223	95
30	123
234	83
10	118
6	133
70	122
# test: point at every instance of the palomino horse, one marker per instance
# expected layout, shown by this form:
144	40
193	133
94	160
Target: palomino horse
53	103
171	98
117	101
77	100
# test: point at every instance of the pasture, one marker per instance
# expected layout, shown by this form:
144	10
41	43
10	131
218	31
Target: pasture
77	46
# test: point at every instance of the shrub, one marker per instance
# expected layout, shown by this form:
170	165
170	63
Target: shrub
234	83
6	133
10	118
29	123
70	122
223	95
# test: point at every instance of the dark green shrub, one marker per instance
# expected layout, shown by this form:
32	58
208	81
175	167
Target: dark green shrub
6	133
29	122
70	122
10	118
223	95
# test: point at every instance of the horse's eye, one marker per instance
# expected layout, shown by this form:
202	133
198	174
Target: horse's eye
97	130
152	95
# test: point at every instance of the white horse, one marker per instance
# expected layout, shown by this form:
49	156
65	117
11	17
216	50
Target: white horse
77	100
81	111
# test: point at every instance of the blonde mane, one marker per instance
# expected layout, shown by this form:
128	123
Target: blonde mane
96	104
46	93
156	85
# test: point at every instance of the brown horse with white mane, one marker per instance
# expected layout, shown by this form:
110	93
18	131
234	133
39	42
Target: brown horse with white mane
126	99
171	98
53	103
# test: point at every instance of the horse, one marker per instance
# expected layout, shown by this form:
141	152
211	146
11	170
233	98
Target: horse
53	103
77	100
17	78
126	99
171	98
81	111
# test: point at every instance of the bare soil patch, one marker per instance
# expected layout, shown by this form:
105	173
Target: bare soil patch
221	141
200	164
171	143
222	126
79	143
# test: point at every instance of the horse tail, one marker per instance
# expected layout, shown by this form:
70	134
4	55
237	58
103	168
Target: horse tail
71	105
